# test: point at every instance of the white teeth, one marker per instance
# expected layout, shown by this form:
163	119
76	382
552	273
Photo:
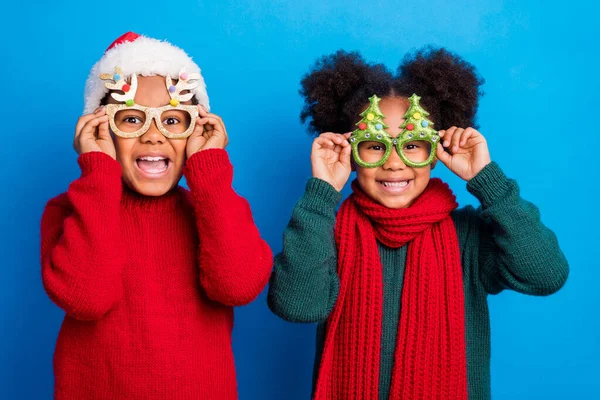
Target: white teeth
152	158
395	184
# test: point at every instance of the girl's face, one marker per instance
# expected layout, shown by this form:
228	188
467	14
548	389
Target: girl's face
394	184
152	164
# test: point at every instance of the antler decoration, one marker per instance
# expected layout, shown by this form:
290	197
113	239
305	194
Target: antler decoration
120	84
184	83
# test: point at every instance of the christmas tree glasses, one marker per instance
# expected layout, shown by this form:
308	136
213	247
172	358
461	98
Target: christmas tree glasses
416	144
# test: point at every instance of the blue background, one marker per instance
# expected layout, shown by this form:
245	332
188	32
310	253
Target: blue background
540	62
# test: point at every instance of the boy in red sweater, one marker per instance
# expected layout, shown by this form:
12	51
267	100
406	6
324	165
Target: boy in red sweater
146	271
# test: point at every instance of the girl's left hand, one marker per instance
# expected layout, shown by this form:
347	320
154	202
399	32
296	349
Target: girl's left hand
210	133
468	151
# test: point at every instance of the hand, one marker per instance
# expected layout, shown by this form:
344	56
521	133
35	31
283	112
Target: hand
468	151
330	159
209	133
92	134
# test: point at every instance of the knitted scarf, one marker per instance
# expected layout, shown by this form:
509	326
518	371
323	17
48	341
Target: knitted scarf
430	355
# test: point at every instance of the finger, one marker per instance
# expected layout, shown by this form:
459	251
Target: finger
215	131
202	110
334	137
204	113
345	157
456	139
443	156
339	147
103	131
89	129
345	142
324	142
448	136
84	120
469	133
207	128
212	123
198	129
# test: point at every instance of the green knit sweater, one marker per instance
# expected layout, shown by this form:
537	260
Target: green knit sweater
503	245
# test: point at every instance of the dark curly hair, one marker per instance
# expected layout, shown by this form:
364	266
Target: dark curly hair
338	86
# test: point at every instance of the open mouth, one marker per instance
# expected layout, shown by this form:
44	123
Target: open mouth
153	165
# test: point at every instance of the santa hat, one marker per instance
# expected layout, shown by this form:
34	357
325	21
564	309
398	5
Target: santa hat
144	56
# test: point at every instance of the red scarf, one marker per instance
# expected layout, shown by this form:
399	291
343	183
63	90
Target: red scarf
430	357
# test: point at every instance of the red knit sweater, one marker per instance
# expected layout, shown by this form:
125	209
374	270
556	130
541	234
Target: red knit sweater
148	283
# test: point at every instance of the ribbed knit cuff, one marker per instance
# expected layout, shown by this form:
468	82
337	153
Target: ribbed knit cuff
490	184
205	161
101	163
320	196
208	169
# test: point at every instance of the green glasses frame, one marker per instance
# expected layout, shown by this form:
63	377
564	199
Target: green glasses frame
416	127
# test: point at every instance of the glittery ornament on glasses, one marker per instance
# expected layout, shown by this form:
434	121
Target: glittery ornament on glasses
371	129
119	83
186	82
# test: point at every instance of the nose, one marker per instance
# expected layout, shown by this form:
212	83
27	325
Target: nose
152	135
394	162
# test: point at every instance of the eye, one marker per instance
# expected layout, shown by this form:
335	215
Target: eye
377	147
131	119
171	121
412	146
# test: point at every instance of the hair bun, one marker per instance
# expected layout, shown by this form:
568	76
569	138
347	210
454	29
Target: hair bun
337	85
447	84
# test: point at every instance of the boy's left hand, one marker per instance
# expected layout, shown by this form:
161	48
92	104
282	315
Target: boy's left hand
209	133
468	151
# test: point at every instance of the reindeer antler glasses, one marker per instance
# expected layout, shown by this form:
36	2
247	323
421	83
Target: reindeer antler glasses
130	120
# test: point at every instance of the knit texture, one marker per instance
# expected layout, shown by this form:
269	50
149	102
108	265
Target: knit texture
148	283
430	356
503	245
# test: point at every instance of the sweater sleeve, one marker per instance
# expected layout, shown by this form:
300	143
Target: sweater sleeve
235	262
517	250
81	250
304	285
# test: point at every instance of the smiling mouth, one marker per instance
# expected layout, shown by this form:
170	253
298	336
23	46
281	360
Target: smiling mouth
399	184
153	165
395	187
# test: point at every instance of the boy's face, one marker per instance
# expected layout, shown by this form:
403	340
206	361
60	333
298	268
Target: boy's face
394	184
152	164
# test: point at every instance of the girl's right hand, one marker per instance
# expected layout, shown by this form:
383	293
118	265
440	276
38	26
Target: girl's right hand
92	134
330	159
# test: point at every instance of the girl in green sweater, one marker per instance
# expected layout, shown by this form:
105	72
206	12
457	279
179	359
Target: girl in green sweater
398	280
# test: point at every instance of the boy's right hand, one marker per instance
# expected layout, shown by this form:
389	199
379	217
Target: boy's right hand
92	134
330	159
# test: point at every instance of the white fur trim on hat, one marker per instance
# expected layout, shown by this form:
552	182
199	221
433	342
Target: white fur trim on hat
145	57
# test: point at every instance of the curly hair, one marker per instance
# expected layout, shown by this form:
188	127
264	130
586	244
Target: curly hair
338	86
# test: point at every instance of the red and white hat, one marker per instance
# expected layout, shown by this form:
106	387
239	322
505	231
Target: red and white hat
144	56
